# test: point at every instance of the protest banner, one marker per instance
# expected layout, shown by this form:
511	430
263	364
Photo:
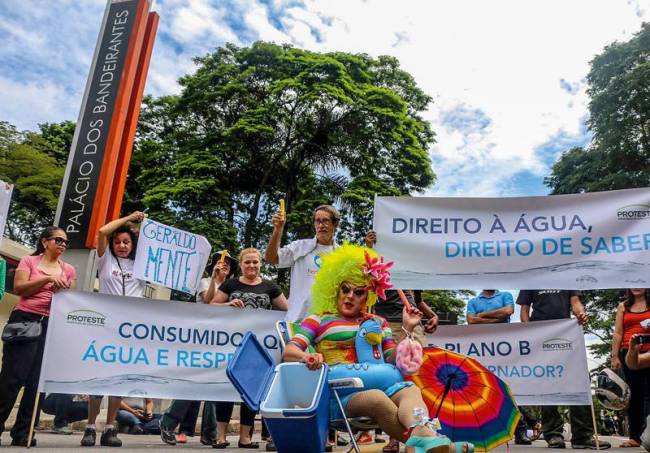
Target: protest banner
5	199
585	241
543	362
101	344
170	257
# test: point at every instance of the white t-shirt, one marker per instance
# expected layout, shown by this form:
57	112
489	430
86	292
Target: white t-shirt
304	257
110	276
204	285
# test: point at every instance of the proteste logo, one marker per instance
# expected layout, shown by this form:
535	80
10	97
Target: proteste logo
557	344
86	318
633	212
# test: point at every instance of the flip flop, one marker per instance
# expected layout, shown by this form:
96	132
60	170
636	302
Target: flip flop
250	445
630	443
220	445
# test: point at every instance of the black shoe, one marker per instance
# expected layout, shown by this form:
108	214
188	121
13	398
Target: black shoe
109	438
207	440
521	438
89	438
22	442
556	442
136	429
270	446
167	435
590	444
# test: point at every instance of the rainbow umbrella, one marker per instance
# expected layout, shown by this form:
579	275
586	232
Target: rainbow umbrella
471	403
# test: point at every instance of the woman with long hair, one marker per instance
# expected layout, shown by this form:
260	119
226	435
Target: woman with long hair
38	277
251	291
634	310
116	246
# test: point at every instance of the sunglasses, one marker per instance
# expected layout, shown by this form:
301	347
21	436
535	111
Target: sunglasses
60	241
326	222
359	291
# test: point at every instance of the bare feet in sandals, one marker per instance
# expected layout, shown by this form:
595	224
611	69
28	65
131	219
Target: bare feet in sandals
630	443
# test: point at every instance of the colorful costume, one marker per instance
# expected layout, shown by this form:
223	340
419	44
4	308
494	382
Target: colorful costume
358	347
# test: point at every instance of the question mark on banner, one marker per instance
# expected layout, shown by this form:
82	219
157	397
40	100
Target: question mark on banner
560	370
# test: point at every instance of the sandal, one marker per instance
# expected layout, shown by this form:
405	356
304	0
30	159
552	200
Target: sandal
460	447
220	445
537	431
249	445
365	439
392	447
630	443
426	444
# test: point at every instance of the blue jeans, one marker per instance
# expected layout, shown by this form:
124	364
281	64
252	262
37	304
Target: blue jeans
125	418
64	409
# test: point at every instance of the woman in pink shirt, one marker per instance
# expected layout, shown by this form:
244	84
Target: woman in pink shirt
38	277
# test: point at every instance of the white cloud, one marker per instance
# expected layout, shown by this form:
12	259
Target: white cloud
47	101
521	64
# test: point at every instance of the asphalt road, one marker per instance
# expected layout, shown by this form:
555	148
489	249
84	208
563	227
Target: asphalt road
60	443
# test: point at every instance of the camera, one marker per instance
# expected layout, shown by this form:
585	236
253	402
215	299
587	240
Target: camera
643	339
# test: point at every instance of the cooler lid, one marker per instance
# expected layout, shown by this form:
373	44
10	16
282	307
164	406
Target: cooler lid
250	371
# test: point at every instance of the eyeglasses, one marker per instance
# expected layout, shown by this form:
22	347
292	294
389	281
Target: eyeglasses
326	222
359	291
60	241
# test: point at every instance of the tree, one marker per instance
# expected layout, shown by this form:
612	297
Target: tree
28	160
618	156
256	124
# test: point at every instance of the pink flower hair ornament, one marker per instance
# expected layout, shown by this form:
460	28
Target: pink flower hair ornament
377	270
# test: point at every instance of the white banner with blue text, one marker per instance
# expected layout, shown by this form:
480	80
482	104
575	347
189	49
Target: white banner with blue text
543	362
125	346
170	257
5	200
585	241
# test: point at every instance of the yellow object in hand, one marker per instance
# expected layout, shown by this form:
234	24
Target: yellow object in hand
222	258
282	204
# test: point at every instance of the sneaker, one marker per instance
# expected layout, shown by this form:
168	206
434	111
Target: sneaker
22	442
556	442
89	438
167	435
521	438
590	444
109	438
137	430
65	429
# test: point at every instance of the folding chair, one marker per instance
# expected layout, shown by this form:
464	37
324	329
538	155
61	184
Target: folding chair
352	425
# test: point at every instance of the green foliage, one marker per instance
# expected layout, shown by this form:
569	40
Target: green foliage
451	301
28	161
256	124
619	155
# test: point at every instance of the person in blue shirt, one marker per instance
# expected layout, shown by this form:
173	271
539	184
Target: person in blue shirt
491	306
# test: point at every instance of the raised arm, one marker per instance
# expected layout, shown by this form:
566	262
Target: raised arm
104	232
278	221
617	337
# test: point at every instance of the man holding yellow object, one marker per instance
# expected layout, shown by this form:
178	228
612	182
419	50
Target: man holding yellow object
302	256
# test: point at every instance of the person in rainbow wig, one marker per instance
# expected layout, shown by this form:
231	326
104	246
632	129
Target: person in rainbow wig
350	281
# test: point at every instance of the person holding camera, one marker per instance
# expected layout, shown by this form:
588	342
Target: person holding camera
631	316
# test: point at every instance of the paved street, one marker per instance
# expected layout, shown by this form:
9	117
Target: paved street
59	443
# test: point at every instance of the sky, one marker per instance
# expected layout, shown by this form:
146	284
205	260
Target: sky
507	77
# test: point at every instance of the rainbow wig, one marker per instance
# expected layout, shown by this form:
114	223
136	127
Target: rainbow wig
347	263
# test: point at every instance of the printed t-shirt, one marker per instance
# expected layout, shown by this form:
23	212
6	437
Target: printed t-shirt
111	273
482	303
334	337
547	304
253	296
39	302
304	258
